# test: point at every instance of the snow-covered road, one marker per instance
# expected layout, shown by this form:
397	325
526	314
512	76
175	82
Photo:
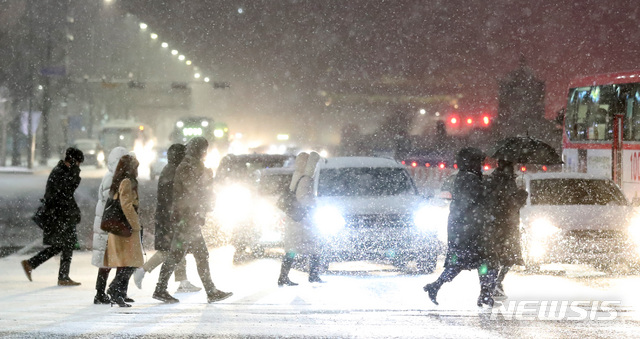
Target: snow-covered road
380	303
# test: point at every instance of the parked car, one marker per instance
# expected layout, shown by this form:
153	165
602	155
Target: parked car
577	218
368	208
93	151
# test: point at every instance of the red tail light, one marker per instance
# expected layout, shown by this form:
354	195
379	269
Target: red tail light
403	162
485	120
441	165
523	169
454	120
427	165
455	166
469	121
414	164
544	168
486	167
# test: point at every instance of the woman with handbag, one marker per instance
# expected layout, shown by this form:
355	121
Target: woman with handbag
124	253
99	236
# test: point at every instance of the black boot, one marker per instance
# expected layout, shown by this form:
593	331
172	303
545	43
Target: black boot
101	298
283	280
314	269
485	298
432	289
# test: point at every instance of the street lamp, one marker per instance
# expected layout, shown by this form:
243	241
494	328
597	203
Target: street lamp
174	52
143	26
197	75
154	36
181	57
164	45
206	79
188	62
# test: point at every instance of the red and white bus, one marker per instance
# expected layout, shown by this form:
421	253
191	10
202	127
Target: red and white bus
601	133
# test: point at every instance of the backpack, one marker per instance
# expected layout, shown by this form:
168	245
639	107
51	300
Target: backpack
289	204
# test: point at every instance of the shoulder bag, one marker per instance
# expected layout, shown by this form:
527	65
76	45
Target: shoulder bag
113	219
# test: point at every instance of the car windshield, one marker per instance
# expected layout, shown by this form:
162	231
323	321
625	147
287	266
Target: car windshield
364	181
242	168
575	192
274	184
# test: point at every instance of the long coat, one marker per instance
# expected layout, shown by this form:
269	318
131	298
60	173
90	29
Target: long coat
309	240
504	200
100	236
62	211
465	228
164	225
126	251
192	196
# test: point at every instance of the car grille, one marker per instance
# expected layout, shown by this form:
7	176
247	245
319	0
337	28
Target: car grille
379	220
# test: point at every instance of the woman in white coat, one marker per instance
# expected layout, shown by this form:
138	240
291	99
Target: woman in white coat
292	229
301	237
100	236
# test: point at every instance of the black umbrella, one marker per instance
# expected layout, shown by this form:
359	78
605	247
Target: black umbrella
525	150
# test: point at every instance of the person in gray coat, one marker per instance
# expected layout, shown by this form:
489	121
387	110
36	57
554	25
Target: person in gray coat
164	226
192	190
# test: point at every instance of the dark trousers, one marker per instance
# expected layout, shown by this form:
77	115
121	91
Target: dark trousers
196	246
120	284
48	253
101	280
501	274
487	275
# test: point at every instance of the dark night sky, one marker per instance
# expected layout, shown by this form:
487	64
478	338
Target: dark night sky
299	47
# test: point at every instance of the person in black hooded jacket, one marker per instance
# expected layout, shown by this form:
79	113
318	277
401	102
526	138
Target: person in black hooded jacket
62	215
164	227
469	238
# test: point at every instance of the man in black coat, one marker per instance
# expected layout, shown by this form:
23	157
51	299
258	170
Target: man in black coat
62	214
469	240
504	200
164	225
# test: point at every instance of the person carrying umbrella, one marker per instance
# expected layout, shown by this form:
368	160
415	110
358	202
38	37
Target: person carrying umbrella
504	200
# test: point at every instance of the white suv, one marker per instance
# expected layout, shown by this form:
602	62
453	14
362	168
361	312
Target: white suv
369	208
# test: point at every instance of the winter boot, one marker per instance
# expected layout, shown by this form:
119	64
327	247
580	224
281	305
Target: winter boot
284	280
101	298
485	298
432	289
314	269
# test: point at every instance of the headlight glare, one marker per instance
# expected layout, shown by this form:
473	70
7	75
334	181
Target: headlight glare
329	220
542	229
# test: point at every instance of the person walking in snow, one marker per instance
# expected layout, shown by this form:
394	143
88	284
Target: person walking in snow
469	238
164	226
302	237
61	216
99	236
191	188
124	253
504	200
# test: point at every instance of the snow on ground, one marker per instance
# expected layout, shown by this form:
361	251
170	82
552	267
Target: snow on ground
382	303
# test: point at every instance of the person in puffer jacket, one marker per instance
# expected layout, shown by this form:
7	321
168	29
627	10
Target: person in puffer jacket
100	236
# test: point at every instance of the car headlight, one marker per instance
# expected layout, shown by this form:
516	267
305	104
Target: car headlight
328	219
634	231
232	205
543	229
433	219
101	156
